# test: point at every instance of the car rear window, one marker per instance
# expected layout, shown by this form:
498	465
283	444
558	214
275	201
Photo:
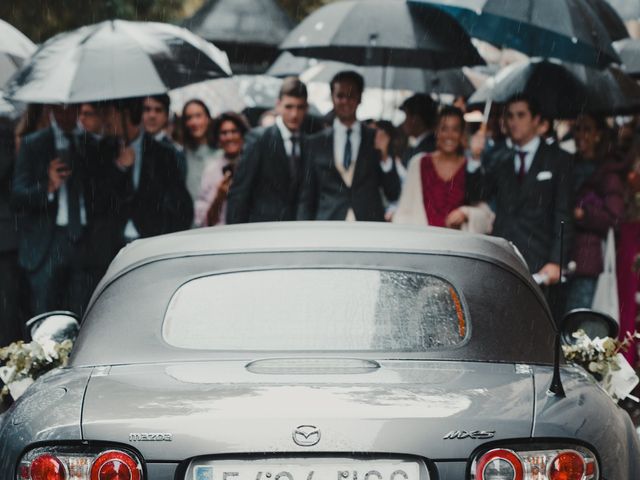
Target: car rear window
316	310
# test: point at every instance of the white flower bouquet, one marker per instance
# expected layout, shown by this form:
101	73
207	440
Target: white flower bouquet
602	358
22	363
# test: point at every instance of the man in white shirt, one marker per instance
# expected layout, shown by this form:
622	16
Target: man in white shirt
267	180
421	114
344	172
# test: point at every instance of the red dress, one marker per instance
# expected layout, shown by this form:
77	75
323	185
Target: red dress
440	197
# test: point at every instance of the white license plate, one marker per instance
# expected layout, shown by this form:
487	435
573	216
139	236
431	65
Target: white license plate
361	470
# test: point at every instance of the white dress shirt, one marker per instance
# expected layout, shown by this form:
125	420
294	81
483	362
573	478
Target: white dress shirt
62	216
286	135
530	148
130	231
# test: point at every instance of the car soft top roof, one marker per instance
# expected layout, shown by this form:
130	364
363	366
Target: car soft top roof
315	236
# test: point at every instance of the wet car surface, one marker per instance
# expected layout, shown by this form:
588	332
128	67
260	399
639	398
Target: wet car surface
316	351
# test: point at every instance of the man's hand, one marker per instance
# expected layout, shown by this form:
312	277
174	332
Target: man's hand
551	273
477	144
58	173
126	158
455	219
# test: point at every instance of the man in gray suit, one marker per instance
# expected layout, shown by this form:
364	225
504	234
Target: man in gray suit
344	172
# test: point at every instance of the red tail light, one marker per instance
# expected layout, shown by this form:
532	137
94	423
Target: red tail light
499	464
115	465
567	462
65	462
567	465
47	467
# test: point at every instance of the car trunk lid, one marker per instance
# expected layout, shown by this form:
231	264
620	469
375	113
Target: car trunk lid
435	409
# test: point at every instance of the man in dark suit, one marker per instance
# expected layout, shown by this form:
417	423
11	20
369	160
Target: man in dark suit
421	114
530	182
59	193
344	172
152	198
155	120
267	180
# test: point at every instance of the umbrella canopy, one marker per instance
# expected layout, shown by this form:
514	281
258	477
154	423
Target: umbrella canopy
116	59
14	49
627	9
249	31
382	32
610	18
629	51
564	90
287	65
452	81
569	30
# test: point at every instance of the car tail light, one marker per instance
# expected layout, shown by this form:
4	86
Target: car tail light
79	463
570	463
115	465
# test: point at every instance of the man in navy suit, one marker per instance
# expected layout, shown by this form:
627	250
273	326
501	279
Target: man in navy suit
530	182
266	183
58	192
344	172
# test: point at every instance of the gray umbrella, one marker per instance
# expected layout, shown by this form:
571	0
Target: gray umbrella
384	33
116	59
629	51
564	90
451	81
14	49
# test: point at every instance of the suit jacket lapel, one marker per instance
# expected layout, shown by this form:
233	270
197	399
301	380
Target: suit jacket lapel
364	152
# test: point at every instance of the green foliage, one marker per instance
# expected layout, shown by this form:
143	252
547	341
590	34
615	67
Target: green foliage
41	19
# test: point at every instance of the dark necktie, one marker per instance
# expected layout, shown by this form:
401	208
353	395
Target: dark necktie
346	160
294	158
522	170
74	189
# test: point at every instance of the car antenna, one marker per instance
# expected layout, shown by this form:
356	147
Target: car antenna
556	389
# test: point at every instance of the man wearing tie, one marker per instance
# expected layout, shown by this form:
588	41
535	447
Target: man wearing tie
58	192
266	183
344	173
530	182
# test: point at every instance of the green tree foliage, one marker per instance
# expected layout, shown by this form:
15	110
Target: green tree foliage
41	19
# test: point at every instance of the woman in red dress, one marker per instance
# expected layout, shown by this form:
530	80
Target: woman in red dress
434	189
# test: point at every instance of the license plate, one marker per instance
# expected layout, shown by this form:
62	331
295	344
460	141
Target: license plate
325	471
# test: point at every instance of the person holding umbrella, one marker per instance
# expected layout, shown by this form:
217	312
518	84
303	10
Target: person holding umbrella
530	183
59	191
344	171
152	196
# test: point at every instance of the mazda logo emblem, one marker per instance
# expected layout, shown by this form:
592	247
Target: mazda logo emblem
306	435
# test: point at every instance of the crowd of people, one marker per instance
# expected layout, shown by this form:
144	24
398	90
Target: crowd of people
79	182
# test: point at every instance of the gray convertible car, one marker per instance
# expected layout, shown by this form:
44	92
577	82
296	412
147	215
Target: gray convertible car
317	351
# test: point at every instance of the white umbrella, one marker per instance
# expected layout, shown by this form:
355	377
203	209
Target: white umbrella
15	47
116	59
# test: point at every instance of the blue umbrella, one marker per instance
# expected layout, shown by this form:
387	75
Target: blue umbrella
570	30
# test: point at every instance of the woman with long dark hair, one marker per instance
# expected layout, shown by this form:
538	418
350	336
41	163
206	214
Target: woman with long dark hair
199	146
599	194
434	188
229	130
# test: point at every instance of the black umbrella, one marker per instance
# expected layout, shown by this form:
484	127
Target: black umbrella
384	33
451	81
564	90
116	59
610	18
569	30
629	51
288	64
627	9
